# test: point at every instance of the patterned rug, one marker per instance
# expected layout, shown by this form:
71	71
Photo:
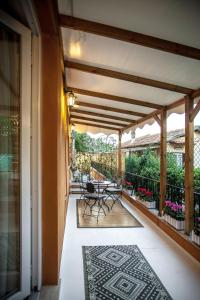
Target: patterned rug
120	273
117	217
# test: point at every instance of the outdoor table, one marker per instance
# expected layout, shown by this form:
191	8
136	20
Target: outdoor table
102	184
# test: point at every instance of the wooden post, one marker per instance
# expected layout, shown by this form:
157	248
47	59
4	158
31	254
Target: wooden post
163	151
189	155
119	154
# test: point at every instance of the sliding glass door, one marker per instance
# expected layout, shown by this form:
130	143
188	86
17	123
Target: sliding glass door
14	135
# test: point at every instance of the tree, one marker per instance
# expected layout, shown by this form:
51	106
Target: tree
175	173
82	142
150	165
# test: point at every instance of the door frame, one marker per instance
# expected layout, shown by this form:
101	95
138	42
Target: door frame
36	177
25	157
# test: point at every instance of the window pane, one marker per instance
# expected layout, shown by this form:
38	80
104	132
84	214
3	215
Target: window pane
9	162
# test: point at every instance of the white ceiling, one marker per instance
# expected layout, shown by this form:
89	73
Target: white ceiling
173	20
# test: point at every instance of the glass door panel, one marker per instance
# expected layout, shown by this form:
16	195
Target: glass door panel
10	277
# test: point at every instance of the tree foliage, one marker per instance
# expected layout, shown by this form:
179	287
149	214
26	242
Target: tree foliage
148	165
84	143
175	173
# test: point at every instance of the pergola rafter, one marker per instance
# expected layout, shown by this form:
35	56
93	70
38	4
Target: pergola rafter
95	114
127	77
95	125
72	116
128	36
115	98
109	108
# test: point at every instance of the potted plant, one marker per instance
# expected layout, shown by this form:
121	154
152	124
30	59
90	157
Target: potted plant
174	214
146	197
196	232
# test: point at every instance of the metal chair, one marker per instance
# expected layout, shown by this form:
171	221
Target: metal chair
93	199
82	186
115	192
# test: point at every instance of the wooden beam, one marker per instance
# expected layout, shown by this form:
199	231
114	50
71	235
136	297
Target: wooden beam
109	108
163	164
127	77
115	98
157	119
94	125
195	94
129	36
137	122
91	113
96	120
189	157
176	103
195	111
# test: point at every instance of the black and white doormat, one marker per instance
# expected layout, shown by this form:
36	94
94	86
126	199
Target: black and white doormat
120	273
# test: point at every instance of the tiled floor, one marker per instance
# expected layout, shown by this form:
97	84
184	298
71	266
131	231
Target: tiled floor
177	270
118	216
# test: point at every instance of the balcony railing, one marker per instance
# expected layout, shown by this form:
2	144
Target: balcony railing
135	181
132	182
197	211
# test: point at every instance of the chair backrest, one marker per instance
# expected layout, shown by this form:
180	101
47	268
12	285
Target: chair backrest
90	187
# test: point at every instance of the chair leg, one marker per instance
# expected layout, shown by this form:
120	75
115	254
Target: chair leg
85	207
100	205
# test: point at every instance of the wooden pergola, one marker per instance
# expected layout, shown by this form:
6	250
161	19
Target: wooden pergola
117	94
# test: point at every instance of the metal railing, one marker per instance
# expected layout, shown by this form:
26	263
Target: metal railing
149	184
175	194
196	210
133	181
107	171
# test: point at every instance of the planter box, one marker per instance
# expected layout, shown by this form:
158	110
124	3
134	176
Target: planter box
195	238
148	204
179	225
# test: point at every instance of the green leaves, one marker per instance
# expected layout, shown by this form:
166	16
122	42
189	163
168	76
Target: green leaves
84	143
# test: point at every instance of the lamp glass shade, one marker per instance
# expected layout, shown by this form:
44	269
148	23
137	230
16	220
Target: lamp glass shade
71	99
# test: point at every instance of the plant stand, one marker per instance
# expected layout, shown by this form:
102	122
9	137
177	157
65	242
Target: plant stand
195	238
178	225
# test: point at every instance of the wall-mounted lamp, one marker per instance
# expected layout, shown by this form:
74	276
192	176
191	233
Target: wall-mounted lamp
73	127
71	97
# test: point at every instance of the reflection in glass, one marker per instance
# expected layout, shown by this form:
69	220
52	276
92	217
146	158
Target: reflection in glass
9	162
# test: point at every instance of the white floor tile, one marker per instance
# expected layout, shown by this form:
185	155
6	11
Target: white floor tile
178	271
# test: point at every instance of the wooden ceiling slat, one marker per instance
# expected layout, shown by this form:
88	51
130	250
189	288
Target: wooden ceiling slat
96	120
115	98
94	125
127	77
109	108
128	36
91	113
